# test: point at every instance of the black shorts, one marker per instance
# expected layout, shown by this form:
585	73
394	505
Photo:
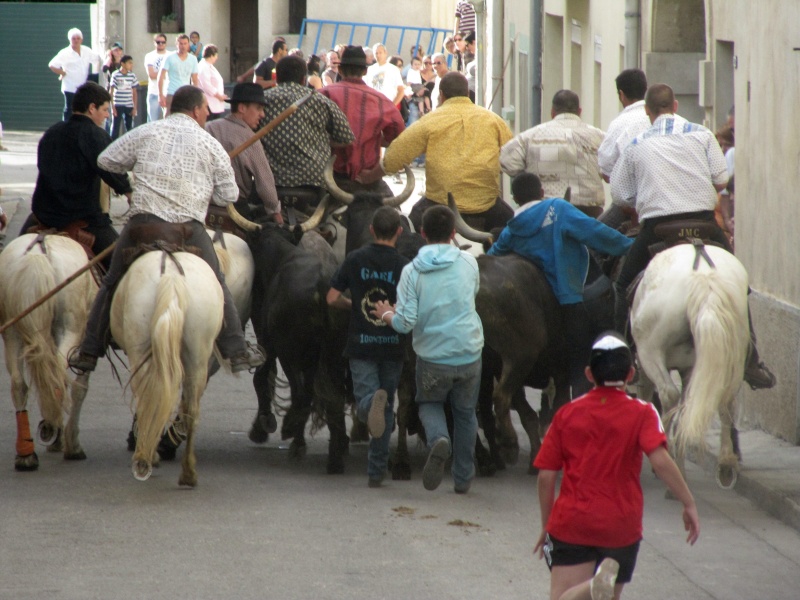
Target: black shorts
561	554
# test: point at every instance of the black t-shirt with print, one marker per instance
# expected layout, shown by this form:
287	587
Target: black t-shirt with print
371	273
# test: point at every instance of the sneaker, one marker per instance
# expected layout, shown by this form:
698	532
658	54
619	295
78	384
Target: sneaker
433	472
249	359
758	376
375	483
376	420
601	587
462	488
80	361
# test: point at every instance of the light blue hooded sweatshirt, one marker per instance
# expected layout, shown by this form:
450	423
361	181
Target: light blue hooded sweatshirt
436	299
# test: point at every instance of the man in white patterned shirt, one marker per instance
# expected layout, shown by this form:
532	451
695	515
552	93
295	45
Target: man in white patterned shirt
671	172
179	168
562	153
633	120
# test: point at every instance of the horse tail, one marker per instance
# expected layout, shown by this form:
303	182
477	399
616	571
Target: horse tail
717	314
157	378
34	278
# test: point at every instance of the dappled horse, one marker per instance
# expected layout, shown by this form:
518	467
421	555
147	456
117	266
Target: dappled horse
30	267
689	315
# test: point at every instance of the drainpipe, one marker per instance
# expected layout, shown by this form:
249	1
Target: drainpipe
535	57
480	50
633	17
498	48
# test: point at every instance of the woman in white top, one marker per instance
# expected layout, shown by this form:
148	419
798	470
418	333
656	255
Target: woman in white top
211	82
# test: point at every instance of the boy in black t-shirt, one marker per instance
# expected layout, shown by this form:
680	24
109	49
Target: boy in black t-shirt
375	350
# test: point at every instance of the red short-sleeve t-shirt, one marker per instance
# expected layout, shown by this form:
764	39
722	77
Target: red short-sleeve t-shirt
598	441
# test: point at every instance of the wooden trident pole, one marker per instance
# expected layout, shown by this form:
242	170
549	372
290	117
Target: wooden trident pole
233	154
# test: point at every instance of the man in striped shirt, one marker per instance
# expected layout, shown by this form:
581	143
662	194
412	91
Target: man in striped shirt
465	17
123	96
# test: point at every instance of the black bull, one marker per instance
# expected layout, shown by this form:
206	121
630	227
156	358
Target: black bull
295	325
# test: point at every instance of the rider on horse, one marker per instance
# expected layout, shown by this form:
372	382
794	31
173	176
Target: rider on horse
179	169
670	173
67	190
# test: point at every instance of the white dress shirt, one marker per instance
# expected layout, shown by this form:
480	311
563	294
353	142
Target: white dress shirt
178	168
669	169
632	121
76	65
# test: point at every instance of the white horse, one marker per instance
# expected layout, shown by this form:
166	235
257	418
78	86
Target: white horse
169	339
691	316
40	341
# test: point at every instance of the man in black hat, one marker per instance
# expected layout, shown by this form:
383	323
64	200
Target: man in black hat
375	122
251	168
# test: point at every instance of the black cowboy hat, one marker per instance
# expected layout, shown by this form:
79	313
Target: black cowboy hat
353	56
248	92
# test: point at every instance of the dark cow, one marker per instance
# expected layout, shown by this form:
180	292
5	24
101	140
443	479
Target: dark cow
524	341
295	325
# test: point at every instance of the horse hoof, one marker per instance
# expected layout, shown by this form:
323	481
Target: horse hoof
297	451
46	433
401	472
487	470
727	476
26	463
257	435
142	470
166	449
75	455
188	480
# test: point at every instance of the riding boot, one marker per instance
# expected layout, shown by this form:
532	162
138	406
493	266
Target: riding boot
756	373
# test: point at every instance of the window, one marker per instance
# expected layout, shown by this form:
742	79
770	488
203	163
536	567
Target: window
165	16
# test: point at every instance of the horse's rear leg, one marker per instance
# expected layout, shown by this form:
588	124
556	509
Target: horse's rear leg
190	409
728	461
530	423
26	459
510	381
72	445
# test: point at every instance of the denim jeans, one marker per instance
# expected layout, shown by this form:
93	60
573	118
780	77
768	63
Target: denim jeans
123	113
459	384
68	96
154	111
368	377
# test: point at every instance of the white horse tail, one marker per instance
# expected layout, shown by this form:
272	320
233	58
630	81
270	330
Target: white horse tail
157	378
717	313
34	278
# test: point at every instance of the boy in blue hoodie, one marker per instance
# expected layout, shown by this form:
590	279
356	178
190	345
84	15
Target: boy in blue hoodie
436	300
554	235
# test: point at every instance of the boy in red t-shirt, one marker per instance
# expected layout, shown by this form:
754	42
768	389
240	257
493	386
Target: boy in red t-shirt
591	532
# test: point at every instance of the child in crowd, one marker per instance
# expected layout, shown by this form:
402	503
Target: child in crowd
124	98
591	532
195	47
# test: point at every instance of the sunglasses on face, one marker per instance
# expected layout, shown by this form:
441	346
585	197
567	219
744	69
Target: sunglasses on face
160	43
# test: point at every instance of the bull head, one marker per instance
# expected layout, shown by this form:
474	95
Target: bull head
465	230
347	197
306	225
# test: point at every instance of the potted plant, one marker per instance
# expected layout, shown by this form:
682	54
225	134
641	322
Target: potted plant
169	23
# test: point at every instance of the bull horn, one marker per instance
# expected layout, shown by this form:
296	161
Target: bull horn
240	220
465	230
568	194
396	201
333	188
316	218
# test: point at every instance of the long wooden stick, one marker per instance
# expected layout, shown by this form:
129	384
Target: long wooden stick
233	153
59	287
269	126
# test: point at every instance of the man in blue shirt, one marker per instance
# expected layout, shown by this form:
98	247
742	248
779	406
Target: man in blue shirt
554	235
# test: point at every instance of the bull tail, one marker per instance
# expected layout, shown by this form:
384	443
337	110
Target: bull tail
33	278
717	314
157	379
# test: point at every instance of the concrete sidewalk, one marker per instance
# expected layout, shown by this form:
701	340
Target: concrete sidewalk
770	470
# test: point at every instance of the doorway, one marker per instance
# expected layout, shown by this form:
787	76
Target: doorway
244	36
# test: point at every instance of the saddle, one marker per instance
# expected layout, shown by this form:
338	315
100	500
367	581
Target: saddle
167	237
694	232
76	231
